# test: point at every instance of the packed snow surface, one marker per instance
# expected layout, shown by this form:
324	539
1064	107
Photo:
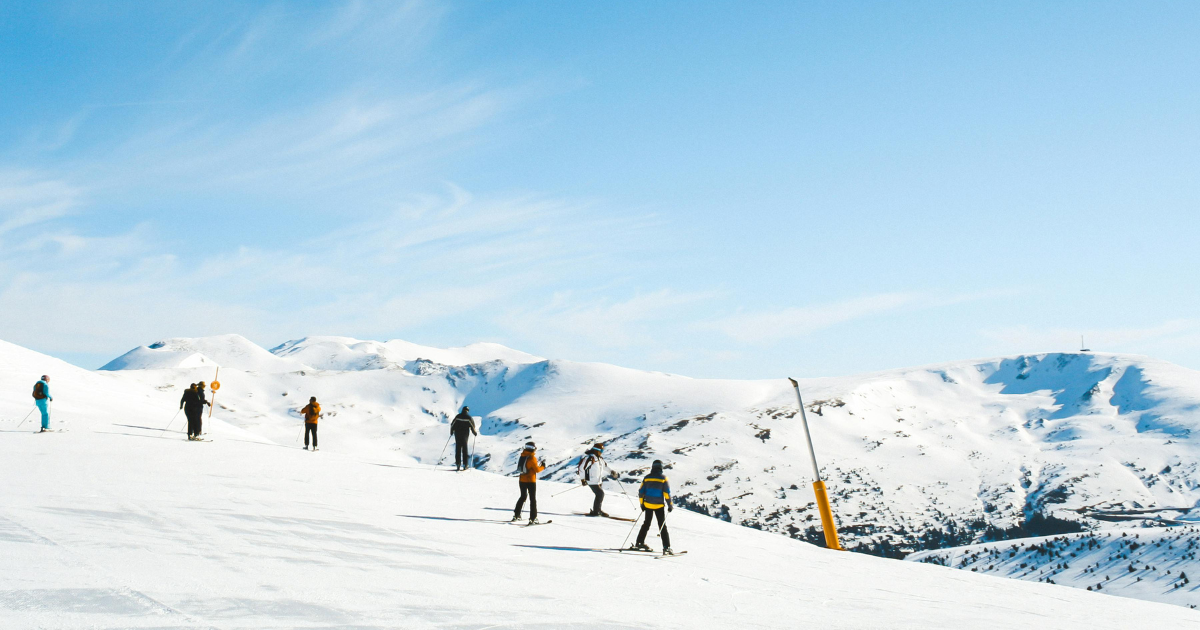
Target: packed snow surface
119	522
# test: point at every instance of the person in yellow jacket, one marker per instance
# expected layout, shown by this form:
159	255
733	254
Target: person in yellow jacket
528	466
311	411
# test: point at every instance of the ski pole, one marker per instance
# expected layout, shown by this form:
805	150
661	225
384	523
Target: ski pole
635	522
627	497
171	422
300	433
472	458
26	416
444	451
567	490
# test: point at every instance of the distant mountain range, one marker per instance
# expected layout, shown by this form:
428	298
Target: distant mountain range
917	458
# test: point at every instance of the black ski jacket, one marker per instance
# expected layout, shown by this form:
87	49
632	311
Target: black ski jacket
189	402
463	423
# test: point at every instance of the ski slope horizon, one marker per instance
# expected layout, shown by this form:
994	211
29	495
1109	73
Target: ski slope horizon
919	458
116	522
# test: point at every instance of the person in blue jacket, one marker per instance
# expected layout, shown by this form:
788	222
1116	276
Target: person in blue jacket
41	398
655	495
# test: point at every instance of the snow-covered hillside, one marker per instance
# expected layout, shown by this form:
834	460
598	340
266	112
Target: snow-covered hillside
1156	564
916	458
116	523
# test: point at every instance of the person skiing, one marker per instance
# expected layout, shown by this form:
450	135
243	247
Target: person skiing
187	403
655	495
528	466
193	408
42	398
593	470
461	428
311	412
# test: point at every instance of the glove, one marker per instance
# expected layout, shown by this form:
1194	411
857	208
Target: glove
670	508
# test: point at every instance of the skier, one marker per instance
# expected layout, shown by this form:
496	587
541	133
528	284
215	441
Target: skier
193	408
655	495
41	398
311	412
593	470
187	402
528	466
461	428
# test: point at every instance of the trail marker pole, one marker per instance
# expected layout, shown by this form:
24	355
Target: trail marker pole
215	386
827	524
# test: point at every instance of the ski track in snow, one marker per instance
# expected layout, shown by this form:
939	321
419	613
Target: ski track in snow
249	531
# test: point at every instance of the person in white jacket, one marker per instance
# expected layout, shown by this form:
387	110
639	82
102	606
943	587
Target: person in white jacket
593	470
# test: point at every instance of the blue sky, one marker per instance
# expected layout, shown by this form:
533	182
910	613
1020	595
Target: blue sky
712	189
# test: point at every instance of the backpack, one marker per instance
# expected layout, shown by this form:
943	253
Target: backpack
39	390
522	464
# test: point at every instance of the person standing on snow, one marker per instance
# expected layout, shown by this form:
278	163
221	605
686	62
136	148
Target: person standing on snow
528	466
194	410
311	412
41	398
461	428
187	403
593	470
655	495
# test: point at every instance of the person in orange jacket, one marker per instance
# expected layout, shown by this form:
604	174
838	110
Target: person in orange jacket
528	466
311	411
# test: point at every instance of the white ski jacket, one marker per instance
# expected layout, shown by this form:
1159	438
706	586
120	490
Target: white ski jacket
593	469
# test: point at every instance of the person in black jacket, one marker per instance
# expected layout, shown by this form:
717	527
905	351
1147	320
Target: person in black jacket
193	402
462	427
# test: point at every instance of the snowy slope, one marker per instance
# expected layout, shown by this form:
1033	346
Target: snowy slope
1156	564
117	524
918	458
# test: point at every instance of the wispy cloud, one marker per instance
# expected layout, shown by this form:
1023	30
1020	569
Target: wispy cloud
757	327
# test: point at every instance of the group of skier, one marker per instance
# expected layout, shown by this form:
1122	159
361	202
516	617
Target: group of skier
192	403
654	495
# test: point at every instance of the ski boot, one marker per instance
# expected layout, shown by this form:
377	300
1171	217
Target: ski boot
640	547
668	552
534	521
516	518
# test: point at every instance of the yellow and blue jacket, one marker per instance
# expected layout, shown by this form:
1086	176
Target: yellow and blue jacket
655	492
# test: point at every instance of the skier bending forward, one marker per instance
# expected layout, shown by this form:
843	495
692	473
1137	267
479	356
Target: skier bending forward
655	494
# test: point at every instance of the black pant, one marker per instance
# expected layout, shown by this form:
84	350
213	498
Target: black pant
599	492
661	514
195	419
528	488
310	427
461	455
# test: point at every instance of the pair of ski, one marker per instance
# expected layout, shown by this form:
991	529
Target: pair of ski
654	554
615	518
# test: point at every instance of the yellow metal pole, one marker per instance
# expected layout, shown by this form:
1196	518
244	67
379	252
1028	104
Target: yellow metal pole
827	524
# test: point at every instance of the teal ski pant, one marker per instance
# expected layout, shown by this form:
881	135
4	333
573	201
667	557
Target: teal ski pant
43	406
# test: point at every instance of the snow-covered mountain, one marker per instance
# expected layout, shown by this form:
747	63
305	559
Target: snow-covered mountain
917	458
121	522
1157	563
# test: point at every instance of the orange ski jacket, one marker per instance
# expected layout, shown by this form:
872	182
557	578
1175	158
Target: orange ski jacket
532	467
311	412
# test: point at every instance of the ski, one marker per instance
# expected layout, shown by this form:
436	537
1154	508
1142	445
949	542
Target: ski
673	555
541	523
632	550
615	518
